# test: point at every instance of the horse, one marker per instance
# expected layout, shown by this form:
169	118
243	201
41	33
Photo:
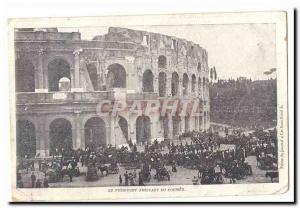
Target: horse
103	168
161	173
272	175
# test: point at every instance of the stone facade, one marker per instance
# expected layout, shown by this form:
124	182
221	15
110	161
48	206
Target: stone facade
136	64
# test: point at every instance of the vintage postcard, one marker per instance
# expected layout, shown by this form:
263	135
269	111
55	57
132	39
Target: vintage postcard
149	106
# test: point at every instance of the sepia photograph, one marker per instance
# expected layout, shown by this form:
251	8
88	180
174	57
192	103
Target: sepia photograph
148	109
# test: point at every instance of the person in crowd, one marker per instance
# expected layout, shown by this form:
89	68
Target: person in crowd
38	183
33	179
141	182
120	180
46	182
126	177
174	169
20	183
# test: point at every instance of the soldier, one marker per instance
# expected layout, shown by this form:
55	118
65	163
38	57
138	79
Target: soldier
120	180
126	178
38	184
33	179
46	183
141	182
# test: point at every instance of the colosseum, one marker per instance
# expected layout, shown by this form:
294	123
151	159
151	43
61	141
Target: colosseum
61	78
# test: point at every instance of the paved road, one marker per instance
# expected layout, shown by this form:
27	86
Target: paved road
183	176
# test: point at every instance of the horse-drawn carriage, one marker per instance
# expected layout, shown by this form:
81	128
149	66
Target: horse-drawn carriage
162	174
92	174
146	173
108	168
211	177
236	170
267	163
25	165
57	173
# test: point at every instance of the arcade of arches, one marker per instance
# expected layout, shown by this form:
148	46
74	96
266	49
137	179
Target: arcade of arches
60	69
60	132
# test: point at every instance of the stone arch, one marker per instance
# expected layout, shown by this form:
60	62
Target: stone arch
25	78
25	138
176	125
57	69
185	84
199	67
186	124
165	125
148	81
199	84
193	83
95	133
162	62
143	129
123	124
174	84
60	134
116	76
162	84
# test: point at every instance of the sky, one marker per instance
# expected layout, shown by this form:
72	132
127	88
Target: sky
236	50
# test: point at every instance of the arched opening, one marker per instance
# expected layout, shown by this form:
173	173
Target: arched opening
162	84
185	84
204	85
186	124
175	83
124	127
148	81
92	70
199	67
176	123
95	133
143	130
60	135
165	124
199	85
26	139
162	62
24	76
204	120
193	83
116	77
200	123
57	69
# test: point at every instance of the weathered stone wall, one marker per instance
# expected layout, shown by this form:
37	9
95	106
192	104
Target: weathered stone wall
89	62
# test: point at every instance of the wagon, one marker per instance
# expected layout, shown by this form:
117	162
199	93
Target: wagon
92	174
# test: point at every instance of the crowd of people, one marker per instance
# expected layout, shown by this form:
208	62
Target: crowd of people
209	153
